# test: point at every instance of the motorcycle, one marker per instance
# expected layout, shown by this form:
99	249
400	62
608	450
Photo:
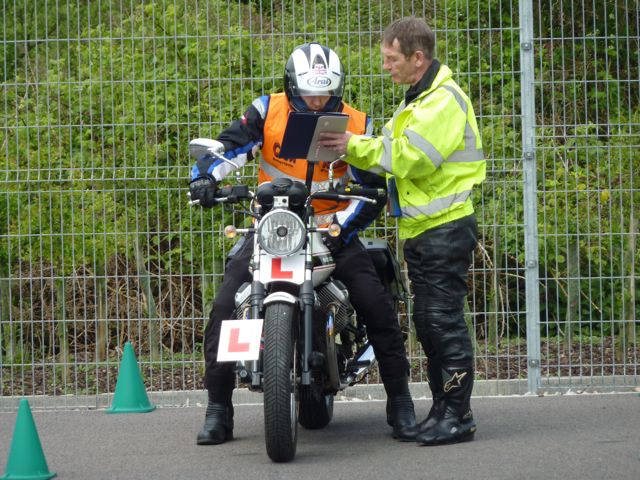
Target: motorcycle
295	336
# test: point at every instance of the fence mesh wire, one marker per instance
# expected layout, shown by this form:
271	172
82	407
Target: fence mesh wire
98	246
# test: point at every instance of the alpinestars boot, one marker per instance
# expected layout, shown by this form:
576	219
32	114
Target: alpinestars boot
435	413
434	374
456	422
401	415
218	424
451	428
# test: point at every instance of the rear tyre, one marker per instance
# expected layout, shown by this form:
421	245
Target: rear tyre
315	411
279	382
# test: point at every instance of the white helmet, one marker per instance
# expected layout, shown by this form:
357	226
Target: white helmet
313	69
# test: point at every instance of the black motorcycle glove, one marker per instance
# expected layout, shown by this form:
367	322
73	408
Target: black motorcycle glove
204	189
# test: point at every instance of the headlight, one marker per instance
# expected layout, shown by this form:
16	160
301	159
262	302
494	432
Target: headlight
281	233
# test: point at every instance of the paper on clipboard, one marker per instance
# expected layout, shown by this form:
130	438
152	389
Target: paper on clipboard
303	131
331	124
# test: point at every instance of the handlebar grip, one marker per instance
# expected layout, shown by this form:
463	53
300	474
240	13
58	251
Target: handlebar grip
347	193
233	193
326	196
363	191
224	192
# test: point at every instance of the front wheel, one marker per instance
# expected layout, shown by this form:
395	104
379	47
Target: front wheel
280	381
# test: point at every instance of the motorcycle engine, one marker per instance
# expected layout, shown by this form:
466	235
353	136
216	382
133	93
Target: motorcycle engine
335	295
242	298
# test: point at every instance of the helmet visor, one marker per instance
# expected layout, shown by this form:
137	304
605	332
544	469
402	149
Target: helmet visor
319	81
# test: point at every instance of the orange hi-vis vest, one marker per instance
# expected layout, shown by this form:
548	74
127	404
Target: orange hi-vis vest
272	166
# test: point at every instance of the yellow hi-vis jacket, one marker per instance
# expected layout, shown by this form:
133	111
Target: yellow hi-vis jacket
431	149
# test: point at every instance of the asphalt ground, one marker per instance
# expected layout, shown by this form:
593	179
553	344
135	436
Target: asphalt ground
583	436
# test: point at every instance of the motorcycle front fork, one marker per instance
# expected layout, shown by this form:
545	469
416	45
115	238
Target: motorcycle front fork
253	377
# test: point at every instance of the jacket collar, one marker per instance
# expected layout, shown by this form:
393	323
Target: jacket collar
424	83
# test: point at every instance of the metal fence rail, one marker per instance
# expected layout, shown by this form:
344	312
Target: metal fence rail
98	246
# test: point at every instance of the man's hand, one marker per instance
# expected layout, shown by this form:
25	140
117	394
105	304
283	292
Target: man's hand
203	189
336	142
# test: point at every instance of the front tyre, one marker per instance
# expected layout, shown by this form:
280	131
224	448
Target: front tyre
279	382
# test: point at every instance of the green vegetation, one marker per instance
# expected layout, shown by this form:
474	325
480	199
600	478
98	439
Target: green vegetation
100	100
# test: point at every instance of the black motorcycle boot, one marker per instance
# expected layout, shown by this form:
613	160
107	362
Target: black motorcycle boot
218	424
434	377
435	413
401	414
452	428
456	423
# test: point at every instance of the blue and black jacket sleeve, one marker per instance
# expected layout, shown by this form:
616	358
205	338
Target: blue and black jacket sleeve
242	140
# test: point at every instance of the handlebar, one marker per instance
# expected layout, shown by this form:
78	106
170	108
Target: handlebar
239	193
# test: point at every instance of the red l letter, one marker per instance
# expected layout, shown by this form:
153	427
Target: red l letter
234	342
276	269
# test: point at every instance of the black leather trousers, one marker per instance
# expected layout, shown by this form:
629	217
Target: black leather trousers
438	261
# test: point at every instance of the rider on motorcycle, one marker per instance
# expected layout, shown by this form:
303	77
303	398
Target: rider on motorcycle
313	81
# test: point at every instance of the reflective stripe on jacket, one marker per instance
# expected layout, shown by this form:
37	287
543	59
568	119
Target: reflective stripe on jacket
432	150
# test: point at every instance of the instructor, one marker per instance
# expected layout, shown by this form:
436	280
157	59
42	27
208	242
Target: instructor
430	153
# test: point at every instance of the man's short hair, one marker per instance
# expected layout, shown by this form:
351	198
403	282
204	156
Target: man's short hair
413	34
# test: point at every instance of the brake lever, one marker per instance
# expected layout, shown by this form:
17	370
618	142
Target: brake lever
372	201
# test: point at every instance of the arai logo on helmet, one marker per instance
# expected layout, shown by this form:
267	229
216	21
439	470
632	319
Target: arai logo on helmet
319	82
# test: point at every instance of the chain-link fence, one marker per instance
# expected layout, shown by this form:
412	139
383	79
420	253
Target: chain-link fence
98	245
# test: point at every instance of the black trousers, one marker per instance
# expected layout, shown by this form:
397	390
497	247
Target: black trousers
438	262
355	269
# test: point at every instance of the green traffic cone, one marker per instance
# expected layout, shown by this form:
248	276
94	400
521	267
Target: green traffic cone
26	459
130	395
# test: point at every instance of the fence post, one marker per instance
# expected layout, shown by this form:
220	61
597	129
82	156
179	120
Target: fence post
529	195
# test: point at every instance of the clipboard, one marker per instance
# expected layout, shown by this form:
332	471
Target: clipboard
300	139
